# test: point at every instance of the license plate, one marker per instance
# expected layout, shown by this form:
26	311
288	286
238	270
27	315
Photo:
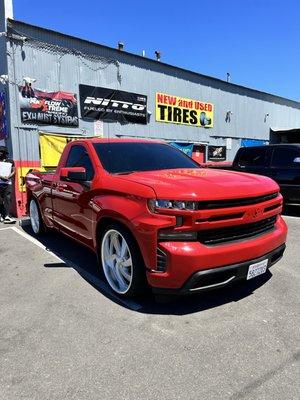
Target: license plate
256	269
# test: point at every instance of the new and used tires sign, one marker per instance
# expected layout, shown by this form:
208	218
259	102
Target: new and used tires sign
179	110
51	108
114	105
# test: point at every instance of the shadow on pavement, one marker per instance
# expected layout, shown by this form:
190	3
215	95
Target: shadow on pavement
291	211
85	263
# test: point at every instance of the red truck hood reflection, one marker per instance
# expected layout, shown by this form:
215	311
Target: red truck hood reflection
203	184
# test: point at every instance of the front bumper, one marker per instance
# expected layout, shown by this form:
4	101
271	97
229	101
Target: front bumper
185	259
210	279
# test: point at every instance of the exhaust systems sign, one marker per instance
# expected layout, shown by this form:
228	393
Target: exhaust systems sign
113	105
50	108
179	110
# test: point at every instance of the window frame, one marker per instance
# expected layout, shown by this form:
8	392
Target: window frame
88	155
290	166
245	150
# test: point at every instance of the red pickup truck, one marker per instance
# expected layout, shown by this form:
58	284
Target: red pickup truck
153	216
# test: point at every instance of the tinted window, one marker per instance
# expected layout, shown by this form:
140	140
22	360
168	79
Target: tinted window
252	157
286	157
125	157
78	157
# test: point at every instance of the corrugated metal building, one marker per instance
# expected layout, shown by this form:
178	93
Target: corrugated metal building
59	62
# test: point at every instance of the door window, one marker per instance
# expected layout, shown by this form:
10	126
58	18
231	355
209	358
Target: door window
78	157
253	157
286	157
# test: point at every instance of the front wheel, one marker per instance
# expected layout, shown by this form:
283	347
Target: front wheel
121	261
36	221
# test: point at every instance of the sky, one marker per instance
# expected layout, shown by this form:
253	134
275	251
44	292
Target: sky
257	41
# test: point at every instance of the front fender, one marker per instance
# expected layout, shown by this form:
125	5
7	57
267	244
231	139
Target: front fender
132	212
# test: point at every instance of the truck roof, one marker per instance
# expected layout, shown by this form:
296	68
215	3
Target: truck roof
122	140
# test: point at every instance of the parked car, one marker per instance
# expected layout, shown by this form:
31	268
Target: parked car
153	216
280	162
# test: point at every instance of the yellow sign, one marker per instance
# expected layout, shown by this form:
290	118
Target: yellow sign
51	147
179	110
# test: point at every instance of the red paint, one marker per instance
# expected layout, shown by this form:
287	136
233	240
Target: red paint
77	211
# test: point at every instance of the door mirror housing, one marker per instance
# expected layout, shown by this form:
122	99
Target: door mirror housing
73	174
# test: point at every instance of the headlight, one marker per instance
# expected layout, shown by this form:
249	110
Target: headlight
171	205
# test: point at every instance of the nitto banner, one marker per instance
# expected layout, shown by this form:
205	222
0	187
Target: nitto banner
216	153
52	108
179	110
113	105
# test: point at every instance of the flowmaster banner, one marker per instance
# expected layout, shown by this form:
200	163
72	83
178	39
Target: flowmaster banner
179	110
50	108
114	105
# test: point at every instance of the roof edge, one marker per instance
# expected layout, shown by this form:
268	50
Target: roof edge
152	61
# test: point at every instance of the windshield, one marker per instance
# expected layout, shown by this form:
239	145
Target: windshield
126	157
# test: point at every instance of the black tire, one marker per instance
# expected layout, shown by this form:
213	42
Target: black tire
36	220
138	284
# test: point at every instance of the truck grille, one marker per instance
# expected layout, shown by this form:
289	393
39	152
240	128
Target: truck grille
238	232
205	205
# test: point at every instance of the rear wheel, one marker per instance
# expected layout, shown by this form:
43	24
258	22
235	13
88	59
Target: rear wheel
121	262
36	221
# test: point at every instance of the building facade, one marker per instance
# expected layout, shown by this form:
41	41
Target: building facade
46	74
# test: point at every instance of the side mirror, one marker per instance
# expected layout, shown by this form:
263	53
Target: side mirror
297	160
73	174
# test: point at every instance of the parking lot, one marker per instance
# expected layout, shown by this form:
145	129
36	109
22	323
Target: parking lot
65	336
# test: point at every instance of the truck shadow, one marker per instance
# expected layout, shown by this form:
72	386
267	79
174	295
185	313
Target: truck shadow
291	211
84	261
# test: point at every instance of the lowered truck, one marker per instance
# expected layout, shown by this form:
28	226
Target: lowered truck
155	217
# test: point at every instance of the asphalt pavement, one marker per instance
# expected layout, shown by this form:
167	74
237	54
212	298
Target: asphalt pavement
64	335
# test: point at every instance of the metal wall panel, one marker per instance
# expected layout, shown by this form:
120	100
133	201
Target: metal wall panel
58	70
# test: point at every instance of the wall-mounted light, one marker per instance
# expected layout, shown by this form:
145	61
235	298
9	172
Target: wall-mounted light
228	116
266	117
158	55
120	46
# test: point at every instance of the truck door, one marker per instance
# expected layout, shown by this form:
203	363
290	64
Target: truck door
70	200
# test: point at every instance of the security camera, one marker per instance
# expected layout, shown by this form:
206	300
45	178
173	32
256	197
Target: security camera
27	79
3	79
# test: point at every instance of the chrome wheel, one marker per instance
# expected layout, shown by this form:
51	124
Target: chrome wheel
116	261
34	217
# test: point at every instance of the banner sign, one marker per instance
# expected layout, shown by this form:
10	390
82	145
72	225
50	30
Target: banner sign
179	110
3	121
186	148
52	108
253	142
114	105
216	153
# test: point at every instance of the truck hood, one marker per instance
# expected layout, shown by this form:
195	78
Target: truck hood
203	184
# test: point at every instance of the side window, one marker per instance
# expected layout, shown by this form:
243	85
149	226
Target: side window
286	157
78	157
253	157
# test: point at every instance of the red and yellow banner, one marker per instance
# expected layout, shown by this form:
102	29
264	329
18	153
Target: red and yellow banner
180	110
